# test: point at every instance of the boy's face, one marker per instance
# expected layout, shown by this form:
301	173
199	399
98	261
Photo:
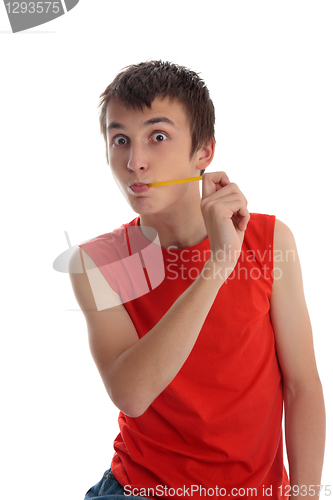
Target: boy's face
151	145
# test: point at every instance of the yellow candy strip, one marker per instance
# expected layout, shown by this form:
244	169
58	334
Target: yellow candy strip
178	181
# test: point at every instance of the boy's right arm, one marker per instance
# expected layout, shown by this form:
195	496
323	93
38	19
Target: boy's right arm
135	371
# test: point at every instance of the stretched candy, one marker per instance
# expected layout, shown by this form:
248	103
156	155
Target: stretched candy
178	181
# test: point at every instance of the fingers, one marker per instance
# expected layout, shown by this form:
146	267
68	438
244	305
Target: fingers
232	206
225	199
243	221
227	190
212	182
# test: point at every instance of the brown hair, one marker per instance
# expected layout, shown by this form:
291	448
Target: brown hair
138	85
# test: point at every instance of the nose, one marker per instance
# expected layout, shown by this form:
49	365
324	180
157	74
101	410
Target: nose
137	160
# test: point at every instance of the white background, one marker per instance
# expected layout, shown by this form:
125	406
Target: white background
268	66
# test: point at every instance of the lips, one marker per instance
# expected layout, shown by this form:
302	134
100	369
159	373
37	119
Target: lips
138	187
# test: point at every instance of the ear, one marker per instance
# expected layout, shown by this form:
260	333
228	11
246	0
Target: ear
205	154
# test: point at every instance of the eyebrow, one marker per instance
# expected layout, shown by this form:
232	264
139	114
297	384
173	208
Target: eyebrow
152	121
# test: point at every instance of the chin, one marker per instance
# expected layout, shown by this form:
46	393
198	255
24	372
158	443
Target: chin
145	205
149	210
142	205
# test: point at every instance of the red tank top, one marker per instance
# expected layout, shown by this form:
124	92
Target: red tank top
216	430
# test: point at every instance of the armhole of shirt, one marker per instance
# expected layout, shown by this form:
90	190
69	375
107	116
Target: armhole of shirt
269	246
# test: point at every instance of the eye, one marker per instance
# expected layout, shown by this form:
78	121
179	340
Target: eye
159	137
120	140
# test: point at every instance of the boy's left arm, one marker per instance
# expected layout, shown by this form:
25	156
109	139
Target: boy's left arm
303	395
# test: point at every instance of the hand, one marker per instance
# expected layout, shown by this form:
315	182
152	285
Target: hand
224	209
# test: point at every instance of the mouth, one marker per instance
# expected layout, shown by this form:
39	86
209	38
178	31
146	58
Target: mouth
138	187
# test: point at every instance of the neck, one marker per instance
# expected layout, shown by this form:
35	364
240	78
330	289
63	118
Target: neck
178	228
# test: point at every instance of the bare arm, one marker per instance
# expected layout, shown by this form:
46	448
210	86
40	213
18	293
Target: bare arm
136	371
303	397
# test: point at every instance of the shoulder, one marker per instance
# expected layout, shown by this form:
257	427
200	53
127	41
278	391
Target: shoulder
260	223
115	234
274	239
286	259
83	257
264	223
92	291
283	236
260	231
275	234
269	225
108	247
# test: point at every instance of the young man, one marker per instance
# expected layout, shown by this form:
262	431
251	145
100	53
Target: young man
200	365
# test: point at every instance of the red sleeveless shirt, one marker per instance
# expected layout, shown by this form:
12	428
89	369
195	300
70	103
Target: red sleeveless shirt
216	430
